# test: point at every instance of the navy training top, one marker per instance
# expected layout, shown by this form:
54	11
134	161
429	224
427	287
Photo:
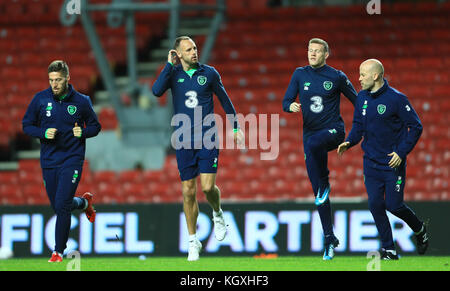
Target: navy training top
193	97
319	90
387	122
46	111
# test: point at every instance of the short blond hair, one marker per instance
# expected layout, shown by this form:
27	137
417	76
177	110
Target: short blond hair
320	41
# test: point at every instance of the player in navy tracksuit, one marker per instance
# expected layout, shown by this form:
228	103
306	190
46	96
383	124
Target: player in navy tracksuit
319	87
391	129
62	119
195	136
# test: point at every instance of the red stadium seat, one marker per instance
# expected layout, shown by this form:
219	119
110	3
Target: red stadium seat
84	187
30	165
109	189
34	194
137	190
105	177
161	189
431	63
10	190
130	176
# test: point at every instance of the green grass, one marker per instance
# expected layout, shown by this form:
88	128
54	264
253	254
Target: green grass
207	263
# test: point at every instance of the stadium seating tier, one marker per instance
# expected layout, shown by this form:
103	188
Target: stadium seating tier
256	54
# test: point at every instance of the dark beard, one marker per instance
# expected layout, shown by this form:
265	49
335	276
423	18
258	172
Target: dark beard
64	92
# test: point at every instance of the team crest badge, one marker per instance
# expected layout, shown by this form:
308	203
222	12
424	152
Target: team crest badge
201	80
328	85
71	109
381	108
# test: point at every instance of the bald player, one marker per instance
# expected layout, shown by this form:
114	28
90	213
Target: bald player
391	129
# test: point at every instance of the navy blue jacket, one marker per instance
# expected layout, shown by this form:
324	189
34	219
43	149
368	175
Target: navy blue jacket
196	92
319	91
388	123
45	111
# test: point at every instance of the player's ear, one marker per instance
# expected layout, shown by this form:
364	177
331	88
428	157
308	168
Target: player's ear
375	76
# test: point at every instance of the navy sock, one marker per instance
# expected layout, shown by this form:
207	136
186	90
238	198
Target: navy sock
78	203
325	217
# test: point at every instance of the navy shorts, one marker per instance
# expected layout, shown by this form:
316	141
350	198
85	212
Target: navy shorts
192	162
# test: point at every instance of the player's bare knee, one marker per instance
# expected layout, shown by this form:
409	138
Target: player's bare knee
189	193
209	189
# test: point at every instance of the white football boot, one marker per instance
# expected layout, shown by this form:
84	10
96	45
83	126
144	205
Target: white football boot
195	247
220	228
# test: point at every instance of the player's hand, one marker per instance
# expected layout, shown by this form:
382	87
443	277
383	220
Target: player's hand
395	160
343	147
173	57
295	107
76	130
239	138
50	133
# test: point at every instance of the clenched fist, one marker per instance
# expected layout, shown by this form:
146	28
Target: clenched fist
50	133
77	130
295	107
239	138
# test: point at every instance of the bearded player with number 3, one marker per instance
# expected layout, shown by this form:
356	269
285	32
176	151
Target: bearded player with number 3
319	87
192	86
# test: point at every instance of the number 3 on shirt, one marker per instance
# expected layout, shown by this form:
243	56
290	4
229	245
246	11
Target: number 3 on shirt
192	100
317	105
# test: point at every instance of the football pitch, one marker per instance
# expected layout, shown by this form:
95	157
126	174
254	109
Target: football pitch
287	263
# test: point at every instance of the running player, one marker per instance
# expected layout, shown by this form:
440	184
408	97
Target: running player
192	86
